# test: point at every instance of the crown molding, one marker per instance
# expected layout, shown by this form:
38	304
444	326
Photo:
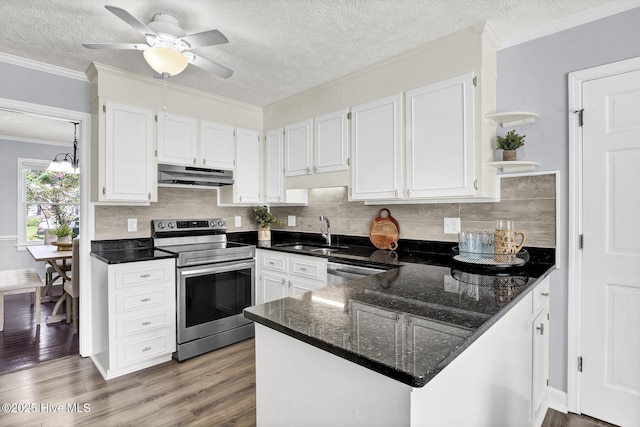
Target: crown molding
41	66
569	22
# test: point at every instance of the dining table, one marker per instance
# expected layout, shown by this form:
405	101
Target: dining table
51	254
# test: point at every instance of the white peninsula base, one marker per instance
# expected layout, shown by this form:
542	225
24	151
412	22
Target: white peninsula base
499	380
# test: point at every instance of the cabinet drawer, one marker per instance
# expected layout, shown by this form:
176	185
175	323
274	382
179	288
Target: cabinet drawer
150	298
308	268
274	262
158	319
129	352
140	276
540	296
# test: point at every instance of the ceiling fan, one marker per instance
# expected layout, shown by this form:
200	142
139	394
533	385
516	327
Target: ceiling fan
167	47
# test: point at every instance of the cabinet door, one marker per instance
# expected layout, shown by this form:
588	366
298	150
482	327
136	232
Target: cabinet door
247	175
177	139
274	186
539	386
375	149
377	332
297	147
440	139
298	286
129	167
271	287
331	142
216	145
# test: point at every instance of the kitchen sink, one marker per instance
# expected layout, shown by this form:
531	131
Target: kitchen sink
309	247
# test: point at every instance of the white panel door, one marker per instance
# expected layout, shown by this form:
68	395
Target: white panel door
376	136
611	257
216	145
271	288
247	176
274	175
129	166
440	138
298	140
177	139
331	142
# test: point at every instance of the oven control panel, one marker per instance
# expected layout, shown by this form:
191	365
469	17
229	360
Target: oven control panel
182	225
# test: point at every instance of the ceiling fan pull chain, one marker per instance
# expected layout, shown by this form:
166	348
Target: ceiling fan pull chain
165	77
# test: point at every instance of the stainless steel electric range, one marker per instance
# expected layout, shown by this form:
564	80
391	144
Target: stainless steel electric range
214	281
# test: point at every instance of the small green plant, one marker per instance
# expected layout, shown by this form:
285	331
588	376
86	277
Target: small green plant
512	141
263	217
63	230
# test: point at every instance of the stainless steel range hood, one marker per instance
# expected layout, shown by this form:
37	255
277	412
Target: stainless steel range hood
189	175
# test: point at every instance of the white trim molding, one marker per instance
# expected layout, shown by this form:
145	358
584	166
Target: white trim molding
569	22
574	290
42	66
557	400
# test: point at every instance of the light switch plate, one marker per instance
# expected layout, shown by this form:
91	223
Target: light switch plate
291	220
238	221
451	225
132	224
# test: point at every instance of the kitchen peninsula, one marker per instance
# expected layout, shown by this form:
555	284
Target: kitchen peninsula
423	343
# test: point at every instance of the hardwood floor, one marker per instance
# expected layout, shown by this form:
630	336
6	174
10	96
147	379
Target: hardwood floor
22	345
215	389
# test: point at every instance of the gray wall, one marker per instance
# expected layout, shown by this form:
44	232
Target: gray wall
10	257
533	77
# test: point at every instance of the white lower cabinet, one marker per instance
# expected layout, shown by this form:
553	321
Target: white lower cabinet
134	312
280	275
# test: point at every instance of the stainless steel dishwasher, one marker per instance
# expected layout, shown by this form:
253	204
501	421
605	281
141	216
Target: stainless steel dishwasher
339	273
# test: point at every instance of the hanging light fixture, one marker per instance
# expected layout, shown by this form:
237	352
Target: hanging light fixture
68	163
165	60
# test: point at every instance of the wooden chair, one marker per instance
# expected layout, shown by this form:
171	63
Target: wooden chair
17	282
52	278
72	287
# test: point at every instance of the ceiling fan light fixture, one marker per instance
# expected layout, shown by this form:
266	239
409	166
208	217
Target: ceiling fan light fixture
165	60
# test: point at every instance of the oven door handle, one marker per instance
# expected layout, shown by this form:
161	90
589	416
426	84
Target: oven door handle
216	268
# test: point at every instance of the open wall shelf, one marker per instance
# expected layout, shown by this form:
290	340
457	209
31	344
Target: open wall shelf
512	118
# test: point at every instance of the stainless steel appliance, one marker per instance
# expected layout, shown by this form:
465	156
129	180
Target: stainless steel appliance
338	273
214	281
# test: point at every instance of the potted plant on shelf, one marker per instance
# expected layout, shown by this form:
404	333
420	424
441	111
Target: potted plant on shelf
64	233
264	218
509	144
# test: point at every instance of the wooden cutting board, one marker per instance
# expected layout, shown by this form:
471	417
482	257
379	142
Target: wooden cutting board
384	231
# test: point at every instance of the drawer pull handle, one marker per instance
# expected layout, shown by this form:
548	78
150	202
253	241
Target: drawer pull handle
146	323
145	300
545	294
144	276
541	328
146	349
271	263
303	269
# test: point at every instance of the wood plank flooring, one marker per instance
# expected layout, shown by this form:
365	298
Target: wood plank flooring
214	389
22	344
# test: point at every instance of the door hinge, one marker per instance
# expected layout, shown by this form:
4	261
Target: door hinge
156	118
547	381
234	133
579	363
104	108
104	190
475	184
475	81
349	115
581	242
580	114
348	161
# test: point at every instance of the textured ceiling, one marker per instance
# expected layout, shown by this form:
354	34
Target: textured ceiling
276	47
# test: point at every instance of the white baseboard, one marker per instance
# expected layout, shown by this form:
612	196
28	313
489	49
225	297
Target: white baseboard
558	400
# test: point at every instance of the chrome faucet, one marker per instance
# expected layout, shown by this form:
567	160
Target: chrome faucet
326	235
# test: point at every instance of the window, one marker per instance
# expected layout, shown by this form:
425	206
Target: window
46	200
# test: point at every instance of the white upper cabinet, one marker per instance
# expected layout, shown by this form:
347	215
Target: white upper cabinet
298	148
216	145
247	174
274	152
177	139
331	133
126	165
440	139
376	137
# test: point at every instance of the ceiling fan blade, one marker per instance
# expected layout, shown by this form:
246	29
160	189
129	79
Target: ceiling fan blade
205	38
131	20
120	46
212	67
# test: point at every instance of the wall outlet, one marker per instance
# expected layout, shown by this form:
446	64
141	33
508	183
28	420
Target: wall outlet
238	221
291	220
451	225
132	224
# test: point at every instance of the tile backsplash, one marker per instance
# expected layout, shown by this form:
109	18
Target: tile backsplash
528	200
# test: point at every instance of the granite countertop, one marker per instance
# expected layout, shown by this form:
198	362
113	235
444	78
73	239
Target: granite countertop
407	323
127	250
